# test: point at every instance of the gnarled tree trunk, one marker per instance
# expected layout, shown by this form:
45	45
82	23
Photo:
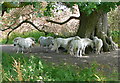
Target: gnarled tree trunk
95	24
103	32
87	24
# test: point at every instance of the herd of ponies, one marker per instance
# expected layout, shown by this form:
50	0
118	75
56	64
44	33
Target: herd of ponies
75	46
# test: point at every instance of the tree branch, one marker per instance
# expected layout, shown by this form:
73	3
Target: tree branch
9	27
72	17
25	21
8	36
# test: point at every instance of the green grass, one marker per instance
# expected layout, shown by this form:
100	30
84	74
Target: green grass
35	34
18	67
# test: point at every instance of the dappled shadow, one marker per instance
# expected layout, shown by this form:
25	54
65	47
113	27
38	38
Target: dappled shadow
108	61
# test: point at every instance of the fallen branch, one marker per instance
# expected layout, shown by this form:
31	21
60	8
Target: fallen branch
72	17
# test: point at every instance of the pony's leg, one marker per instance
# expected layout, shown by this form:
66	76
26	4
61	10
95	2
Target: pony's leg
18	50
57	46
22	50
71	51
83	51
78	50
99	50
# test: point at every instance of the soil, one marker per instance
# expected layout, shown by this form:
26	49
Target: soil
108	61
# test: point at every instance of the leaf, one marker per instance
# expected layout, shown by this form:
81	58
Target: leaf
39	15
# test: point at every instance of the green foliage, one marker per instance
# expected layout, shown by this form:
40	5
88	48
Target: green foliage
49	8
107	6
43	11
40	11
37	8
89	7
30	68
115	35
18	67
34	69
34	34
69	73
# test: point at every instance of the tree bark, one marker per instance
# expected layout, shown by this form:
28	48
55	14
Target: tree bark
96	25
103	32
87	24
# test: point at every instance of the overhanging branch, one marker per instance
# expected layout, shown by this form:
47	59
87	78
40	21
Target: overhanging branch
72	17
9	27
25	21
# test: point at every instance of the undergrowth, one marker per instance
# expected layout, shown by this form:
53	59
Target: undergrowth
35	34
18	67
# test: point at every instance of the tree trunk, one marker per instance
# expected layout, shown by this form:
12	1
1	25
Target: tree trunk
87	24
103	32
95	25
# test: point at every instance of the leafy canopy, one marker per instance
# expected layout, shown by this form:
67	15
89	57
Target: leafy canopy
89	7
39	7
86	7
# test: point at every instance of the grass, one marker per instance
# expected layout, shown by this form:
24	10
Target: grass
35	34
18	67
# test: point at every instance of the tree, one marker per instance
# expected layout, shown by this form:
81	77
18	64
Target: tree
93	21
13	20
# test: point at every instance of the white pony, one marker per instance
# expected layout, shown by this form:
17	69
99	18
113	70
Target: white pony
45	41
98	43
61	42
77	46
23	43
86	42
